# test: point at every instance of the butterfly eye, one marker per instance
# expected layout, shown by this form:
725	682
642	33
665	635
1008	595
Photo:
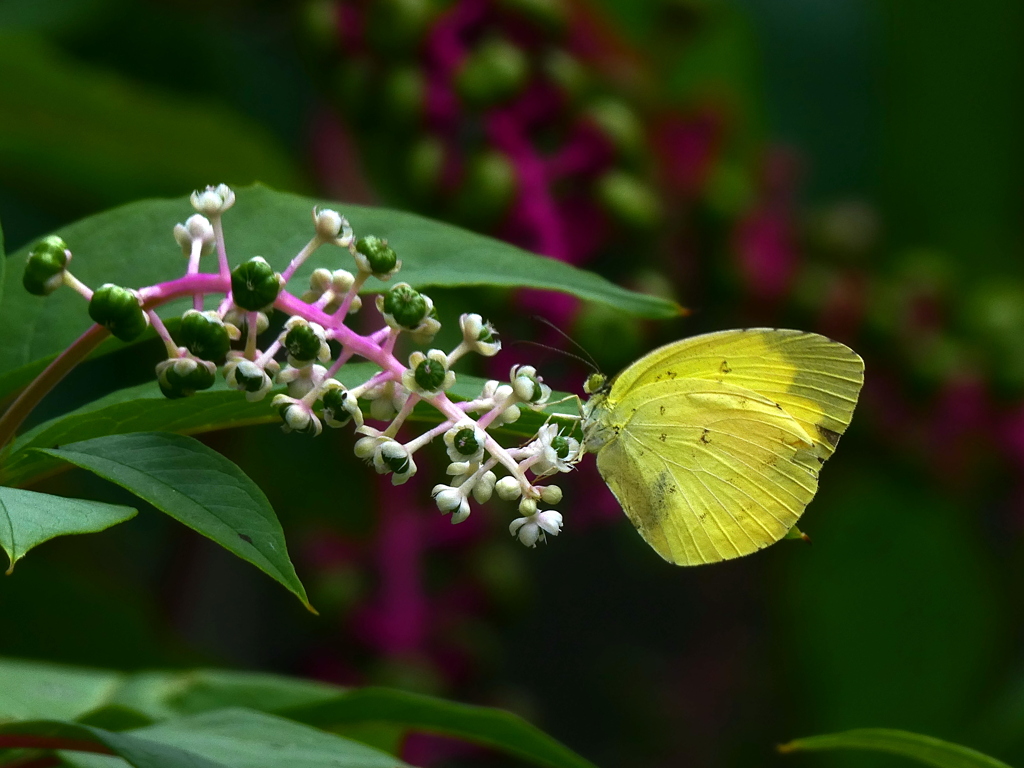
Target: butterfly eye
595	383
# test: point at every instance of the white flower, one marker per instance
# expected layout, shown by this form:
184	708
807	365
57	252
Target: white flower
339	407
530	530
297	415
391	456
196	227
332	227
245	376
386	400
428	374
528	386
555	452
213	201
451	501
302	381
465	442
479	336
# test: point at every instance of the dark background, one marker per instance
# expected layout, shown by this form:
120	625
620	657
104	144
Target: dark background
900	124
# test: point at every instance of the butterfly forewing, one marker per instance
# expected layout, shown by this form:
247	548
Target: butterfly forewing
816	380
706	471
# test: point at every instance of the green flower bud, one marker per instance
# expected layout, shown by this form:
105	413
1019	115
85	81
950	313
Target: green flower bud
303	343
44	270
494	72
379	257
118	309
254	284
465	442
430	375
204	335
184	376
406	305
425	166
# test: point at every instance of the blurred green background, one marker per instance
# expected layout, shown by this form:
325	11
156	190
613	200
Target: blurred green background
870	153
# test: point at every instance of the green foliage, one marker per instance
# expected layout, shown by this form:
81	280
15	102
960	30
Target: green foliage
196	486
923	749
27	519
238	718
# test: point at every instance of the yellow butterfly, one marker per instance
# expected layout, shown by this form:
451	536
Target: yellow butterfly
712	444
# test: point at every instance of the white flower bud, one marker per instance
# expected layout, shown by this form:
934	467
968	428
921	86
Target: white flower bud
508	488
457	468
213	201
332	226
320	280
196	227
551	494
527	507
484	487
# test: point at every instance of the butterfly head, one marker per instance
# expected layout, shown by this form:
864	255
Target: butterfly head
596	382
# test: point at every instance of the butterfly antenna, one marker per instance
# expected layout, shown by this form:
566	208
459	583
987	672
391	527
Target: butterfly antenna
587	362
589	358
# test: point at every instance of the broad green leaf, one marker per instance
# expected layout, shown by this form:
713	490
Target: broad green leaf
196	486
924	749
133	245
242	738
143	408
35	690
162	695
136	751
27	519
72	131
494	728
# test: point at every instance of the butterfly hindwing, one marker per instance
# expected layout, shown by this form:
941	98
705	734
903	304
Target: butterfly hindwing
707	471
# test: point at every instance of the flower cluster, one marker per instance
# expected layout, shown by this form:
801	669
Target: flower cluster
305	357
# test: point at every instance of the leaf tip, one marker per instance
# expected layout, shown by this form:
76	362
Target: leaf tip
786	748
310	608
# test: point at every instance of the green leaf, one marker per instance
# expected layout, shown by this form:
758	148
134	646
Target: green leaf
241	738
69	131
36	690
133	246
139	752
196	486
924	749
143	408
481	725
27	519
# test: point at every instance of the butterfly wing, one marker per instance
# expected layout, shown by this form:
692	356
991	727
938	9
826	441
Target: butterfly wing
816	380
706	470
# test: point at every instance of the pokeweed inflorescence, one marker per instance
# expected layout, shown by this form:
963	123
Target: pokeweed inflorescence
228	337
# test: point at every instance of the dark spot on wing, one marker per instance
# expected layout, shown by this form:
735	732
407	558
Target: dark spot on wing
830	436
663	410
663	437
724	367
705	437
245	538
